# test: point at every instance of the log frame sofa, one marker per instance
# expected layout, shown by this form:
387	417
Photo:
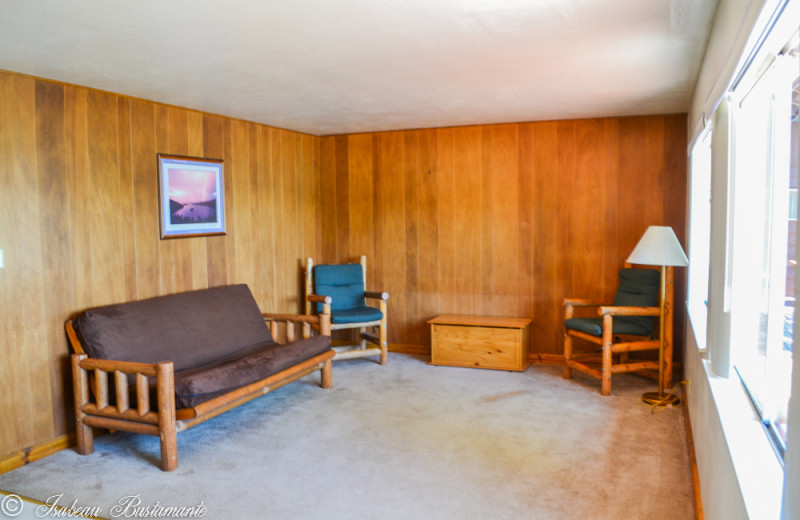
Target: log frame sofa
101	406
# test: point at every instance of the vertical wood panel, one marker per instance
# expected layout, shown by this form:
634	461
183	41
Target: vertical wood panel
166	248
216	251
611	188
289	296
56	260
375	275
9	436
308	184
429	300
415	326
22	244
78	174
470	225
239	202
126	207
267	244
145	184
590	202
525	279
393	254
360	194
198	247
446	182
327	200
546	310
105	217
502	169
569	215
182	248
343	209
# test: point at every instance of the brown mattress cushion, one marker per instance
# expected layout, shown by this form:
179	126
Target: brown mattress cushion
191	329
201	384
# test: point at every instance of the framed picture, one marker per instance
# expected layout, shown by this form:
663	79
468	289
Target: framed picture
191	198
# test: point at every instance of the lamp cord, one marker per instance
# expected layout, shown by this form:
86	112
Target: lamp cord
660	401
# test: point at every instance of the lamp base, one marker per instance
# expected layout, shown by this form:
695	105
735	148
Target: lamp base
657	399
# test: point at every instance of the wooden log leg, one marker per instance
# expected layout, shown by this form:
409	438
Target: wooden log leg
85	437
327	375
363	342
384	337
383	340
667	364
166	416
605	388
80	388
568	312
567	355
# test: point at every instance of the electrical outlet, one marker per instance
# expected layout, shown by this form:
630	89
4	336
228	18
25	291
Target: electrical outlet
2	265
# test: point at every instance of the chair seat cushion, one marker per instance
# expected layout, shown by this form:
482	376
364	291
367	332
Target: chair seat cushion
594	327
356	315
197	385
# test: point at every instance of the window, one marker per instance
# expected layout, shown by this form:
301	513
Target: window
700	236
765	181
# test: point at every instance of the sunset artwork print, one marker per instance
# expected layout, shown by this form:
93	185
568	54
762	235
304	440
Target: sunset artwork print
191	199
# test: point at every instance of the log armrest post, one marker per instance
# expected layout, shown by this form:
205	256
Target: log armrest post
80	390
383	339
325	321
569	311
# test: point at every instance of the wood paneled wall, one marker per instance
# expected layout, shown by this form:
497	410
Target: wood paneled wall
501	220
79	225
495	220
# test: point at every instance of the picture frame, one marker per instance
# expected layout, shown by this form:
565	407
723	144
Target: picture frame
191	196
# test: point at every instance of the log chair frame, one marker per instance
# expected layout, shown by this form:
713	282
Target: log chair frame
94	409
379	344
621	345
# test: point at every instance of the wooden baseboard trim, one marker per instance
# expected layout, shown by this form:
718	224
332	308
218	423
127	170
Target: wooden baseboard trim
418	350
37	451
547	359
698	499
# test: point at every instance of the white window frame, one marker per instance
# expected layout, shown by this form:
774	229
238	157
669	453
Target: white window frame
758	281
700	235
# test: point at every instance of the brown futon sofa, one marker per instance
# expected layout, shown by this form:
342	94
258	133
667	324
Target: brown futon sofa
194	355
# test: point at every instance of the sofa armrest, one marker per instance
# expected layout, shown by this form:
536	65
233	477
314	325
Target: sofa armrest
318	298
571	303
628	311
100	412
321	322
375	295
324	300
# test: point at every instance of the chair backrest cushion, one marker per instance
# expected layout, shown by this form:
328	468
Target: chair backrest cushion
343	282
638	288
190	329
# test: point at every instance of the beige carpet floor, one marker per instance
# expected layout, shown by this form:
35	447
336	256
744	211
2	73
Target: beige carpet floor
402	441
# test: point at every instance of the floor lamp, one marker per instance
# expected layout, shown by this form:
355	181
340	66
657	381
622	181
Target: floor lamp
659	246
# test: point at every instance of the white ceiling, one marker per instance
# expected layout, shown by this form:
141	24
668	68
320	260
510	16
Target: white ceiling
342	66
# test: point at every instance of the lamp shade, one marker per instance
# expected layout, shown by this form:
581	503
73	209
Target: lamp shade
658	246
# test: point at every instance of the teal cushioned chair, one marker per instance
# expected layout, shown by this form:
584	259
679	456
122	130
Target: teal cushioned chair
626	325
339	290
